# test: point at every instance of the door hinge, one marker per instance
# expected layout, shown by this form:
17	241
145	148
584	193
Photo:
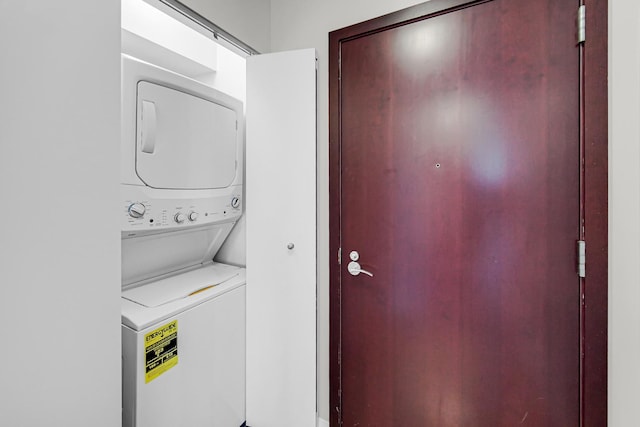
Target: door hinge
582	258
581	24
339	255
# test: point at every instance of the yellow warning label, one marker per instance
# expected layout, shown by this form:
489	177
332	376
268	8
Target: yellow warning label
161	350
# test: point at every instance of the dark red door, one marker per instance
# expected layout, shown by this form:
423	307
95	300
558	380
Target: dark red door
460	191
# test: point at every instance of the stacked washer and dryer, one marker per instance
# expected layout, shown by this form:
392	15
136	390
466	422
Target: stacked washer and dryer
183	315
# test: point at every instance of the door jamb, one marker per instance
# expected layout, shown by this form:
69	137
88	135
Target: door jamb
595	128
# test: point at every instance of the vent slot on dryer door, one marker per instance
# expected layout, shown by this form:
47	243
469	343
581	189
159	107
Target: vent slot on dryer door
184	141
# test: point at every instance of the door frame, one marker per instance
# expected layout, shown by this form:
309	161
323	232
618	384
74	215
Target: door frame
594	197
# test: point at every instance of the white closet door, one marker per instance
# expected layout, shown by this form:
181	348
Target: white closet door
281	239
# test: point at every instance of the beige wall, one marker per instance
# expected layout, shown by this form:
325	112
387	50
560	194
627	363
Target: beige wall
247	20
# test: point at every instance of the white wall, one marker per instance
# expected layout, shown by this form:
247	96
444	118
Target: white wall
247	20
624	212
154	36
59	230
231	78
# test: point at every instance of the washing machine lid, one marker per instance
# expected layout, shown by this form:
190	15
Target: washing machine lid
138	317
184	141
181	286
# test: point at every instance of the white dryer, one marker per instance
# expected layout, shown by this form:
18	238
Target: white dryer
183	316
181	170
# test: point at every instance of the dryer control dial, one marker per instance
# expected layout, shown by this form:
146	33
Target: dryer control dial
137	210
193	216
235	202
180	217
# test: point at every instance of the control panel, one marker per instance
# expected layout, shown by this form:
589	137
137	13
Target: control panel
141	213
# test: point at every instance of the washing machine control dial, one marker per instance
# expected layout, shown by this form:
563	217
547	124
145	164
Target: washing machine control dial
193	216
235	202
137	210
180	217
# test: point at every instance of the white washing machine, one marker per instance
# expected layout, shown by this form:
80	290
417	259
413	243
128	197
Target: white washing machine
183	316
184	350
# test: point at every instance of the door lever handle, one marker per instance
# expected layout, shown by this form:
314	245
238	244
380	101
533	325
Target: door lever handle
354	269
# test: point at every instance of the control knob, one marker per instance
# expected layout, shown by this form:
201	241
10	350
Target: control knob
235	202
193	216
180	217
137	210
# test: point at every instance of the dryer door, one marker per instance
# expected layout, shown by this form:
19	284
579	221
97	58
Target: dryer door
184	141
